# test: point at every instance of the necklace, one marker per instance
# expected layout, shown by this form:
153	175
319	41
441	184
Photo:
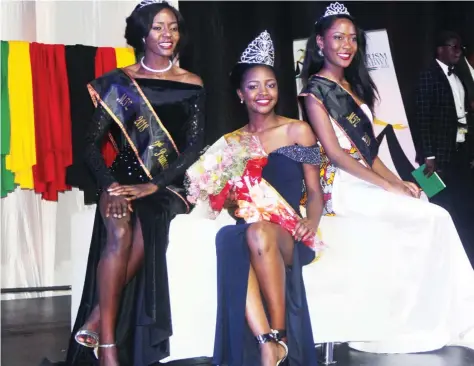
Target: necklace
155	70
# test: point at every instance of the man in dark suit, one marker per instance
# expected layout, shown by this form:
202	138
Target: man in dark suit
446	134
465	69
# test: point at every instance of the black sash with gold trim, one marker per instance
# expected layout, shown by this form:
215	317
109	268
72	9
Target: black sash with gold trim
344	110
123	99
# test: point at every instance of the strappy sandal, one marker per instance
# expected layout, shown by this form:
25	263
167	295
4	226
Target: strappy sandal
278	336
274	336
96	349
87	334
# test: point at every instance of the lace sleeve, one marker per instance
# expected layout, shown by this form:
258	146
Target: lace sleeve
98	128
194	144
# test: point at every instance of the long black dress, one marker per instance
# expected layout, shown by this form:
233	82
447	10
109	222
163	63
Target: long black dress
235	344
144	318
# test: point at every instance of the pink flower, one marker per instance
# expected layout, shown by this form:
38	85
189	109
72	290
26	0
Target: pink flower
236	182
204	181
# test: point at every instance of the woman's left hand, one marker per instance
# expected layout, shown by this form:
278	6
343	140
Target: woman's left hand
135	191
414	189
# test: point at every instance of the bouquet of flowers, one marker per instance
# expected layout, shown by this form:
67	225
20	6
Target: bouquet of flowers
211	178
234	168
258	201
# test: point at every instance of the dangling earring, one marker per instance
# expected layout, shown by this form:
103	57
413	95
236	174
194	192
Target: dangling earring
320	52
241	101
143	40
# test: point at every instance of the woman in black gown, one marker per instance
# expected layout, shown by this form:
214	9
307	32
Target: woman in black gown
262	314
153	113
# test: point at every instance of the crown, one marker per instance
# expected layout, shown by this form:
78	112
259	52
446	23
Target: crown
259	51
144	3
335	9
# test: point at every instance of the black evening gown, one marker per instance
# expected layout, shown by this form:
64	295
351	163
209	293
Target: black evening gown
144	318
235	344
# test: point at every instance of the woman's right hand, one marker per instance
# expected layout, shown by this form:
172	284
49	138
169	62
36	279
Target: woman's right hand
117	206
399	188
304	229
231	201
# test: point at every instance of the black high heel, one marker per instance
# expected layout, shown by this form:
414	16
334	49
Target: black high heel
274	336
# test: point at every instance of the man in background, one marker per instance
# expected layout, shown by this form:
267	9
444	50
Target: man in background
466	74
446	134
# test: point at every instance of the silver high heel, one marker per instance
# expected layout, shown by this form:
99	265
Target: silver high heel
96	349
274	336
277	336
87	334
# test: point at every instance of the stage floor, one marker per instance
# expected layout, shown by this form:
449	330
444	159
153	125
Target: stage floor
35	329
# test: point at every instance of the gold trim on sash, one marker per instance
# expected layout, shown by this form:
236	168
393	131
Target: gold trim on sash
114	144
147	102
348	92
96	100
342	87
337	123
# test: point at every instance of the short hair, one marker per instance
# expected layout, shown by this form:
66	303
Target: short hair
443	37
139	24
239	70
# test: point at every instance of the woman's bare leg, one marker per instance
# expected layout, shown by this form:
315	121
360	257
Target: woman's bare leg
270	248
257	320
111	279
134	263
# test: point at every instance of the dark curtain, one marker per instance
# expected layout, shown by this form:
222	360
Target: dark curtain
80	62
221	30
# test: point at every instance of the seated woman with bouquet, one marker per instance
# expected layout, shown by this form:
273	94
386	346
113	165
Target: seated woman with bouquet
266	168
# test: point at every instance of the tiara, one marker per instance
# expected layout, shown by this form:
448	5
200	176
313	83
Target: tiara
259	51
144	3
335	9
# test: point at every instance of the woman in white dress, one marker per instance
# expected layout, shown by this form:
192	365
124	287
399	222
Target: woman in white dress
399	276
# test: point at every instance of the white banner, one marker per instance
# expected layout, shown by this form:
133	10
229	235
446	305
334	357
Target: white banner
389	110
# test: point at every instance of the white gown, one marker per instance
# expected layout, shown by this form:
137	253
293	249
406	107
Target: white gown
394	278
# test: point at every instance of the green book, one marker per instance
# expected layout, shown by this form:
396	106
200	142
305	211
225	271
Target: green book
432	185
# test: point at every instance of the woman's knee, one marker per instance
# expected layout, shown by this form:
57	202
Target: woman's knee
261	237
119	232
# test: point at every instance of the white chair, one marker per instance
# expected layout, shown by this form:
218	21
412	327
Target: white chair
192	272
194	295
